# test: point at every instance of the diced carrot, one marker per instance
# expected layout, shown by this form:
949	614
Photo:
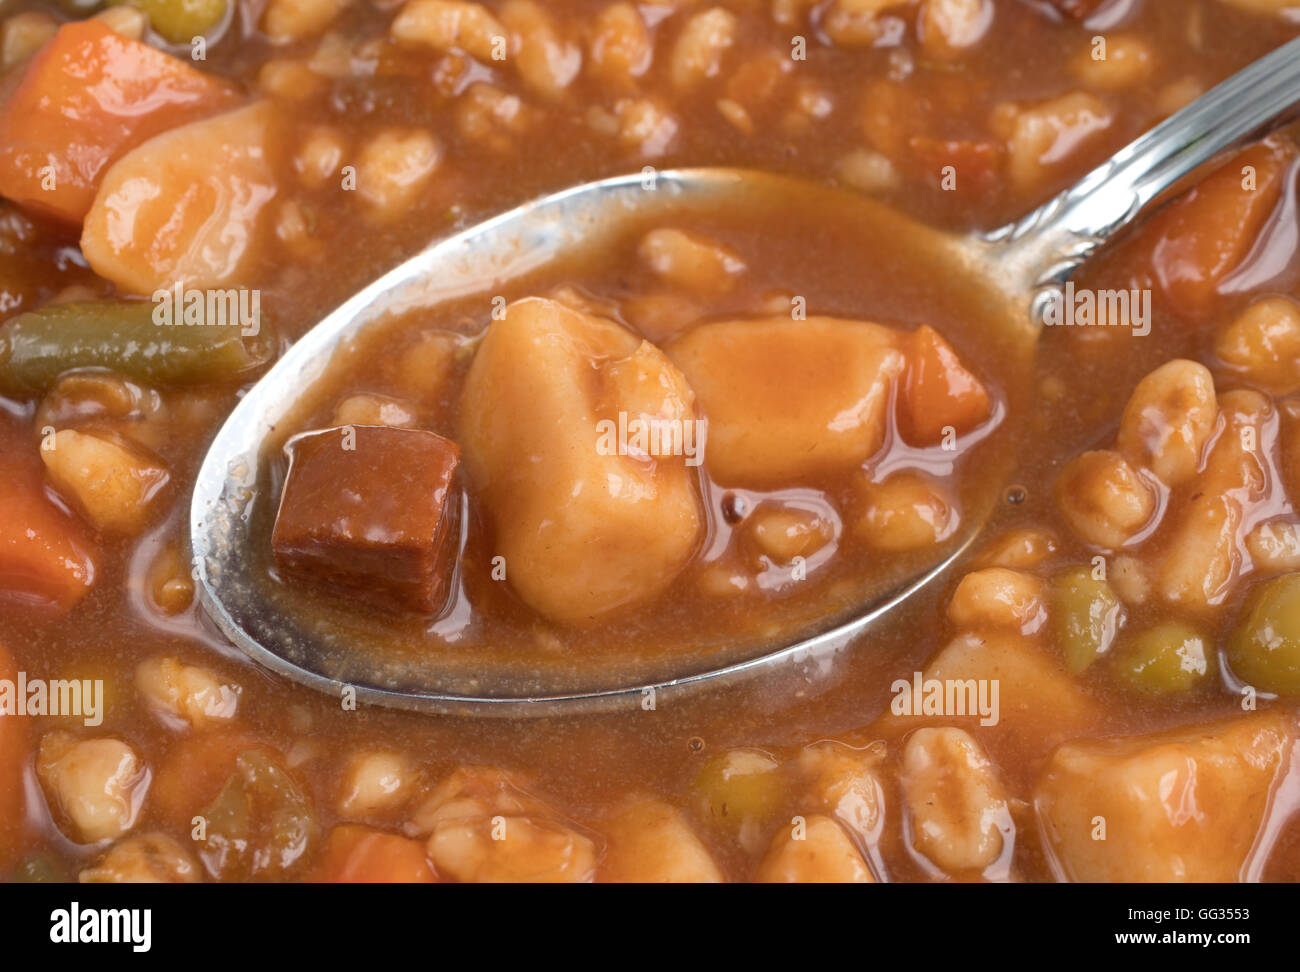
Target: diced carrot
939	392
46	559
84	100
13	754
1201	238
361	855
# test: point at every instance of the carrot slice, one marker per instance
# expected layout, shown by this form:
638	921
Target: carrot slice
46	558
85	99
939	392
361	855
13	754
1201	238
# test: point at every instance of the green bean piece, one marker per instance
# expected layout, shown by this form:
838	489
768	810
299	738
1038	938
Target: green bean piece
1087	615
121	336
180	21
1264	650
1171	657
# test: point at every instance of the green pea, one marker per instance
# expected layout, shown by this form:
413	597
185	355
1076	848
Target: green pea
180	21
1171	657
738	787
1087	614
1264	650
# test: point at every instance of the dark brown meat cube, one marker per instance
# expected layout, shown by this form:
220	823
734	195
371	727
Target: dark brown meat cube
377	519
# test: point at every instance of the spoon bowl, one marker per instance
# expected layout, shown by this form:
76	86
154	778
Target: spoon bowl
1003	279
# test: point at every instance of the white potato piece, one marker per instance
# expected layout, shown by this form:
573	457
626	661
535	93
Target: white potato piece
144	859
813	850
186	206
651	843
785	399
1037	699
114	484
95	785
1185	805
584	530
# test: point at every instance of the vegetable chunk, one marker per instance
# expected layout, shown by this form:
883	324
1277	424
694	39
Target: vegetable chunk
45	557
651	842
115	485
370	509
186	206
787	398
1185	805
588	521
88	97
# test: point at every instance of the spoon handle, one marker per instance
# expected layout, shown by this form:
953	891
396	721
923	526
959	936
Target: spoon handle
1045	247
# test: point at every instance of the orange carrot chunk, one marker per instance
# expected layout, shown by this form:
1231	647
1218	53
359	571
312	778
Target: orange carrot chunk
360	855
1201	238
939	392
46	559
13	755
84	100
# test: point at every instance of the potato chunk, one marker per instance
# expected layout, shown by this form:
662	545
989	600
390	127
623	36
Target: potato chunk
112	484
785	398
1036	698
650	842
186	205
588	520
144	859
482	828
815	850
1185	805
96	785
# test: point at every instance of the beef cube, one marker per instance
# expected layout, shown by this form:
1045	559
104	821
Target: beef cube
370	509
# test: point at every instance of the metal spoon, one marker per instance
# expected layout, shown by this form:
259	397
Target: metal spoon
1018	267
